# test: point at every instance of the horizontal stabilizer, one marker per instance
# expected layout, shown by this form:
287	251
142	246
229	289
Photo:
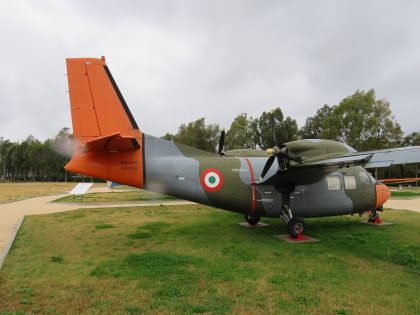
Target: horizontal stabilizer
112	143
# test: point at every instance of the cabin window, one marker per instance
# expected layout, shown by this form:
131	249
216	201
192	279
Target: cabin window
364	178
350	182
334	182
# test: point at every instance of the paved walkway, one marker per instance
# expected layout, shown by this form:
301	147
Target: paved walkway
11	214
403	204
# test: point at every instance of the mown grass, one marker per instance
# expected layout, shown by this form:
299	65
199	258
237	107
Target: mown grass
404	194
116	197
18	191
196	259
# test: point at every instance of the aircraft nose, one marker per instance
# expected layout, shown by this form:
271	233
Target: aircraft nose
382	194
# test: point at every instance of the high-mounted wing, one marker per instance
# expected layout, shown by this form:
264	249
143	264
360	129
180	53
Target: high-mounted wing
312	159
388	157
370	159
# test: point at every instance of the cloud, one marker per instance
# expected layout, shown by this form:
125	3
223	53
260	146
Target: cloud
176	61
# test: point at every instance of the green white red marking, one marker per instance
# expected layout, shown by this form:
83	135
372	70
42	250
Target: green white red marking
211	180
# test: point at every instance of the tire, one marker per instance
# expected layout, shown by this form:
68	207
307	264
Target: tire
251	219
296	225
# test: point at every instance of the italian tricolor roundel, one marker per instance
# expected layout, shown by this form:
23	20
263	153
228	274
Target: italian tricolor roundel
211	180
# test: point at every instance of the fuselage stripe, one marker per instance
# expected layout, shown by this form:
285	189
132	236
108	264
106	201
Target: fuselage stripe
251	172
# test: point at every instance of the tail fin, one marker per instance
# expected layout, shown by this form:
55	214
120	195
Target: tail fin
108	142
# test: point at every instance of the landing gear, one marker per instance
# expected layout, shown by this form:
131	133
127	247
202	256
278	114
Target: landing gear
251	219
295	225
374	216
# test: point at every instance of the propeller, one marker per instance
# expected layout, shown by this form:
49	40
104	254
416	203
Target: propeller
221	143
283	158
280	153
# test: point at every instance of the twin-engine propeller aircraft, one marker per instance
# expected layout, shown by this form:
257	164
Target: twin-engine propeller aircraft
312	178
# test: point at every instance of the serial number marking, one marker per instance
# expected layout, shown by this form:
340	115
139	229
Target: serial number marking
128	162
129	165
266	200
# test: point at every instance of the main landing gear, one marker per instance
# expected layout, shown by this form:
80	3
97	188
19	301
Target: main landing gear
252	220
295	225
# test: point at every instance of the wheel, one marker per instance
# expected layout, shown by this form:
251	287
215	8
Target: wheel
296	226
251	219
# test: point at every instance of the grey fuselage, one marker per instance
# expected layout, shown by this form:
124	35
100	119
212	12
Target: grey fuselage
178	170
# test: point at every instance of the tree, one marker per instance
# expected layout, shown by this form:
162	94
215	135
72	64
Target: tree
360	120
196	134
241	133
363	122
285	129
412	139
168	136
314	126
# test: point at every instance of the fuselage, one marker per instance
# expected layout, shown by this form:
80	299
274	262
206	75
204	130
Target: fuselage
233	183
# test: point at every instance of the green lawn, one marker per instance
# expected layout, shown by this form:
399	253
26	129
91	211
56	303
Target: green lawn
195	259
404	194
116	197
18	191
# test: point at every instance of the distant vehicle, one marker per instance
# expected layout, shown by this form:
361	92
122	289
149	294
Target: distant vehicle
112	184
311	178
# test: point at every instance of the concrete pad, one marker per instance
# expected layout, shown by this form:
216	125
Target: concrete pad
382	223
249	226
289	239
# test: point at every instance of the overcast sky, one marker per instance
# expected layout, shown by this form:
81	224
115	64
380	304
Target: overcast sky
177	61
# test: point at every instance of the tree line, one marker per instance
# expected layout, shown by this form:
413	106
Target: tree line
361	120
34	160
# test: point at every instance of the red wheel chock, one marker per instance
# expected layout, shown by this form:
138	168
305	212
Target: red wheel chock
299	237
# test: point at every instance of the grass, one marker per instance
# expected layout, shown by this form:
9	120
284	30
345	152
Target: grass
404	194
195	259
117	197
18	191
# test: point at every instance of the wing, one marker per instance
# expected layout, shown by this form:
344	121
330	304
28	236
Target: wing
317	163
388	157
367	159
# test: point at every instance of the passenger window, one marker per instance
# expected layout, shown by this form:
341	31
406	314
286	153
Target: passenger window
350	182
364	178
334	183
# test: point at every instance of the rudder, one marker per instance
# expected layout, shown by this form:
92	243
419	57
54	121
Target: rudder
108	142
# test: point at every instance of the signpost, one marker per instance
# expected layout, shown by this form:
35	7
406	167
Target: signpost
80	189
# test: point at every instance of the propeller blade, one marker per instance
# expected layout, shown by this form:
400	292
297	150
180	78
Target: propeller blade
221	142
267	165
273	127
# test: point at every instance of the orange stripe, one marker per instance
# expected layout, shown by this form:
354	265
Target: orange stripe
251	172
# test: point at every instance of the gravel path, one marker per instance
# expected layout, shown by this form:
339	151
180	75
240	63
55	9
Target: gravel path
12	214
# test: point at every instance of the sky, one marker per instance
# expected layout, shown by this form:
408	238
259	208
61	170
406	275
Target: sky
177	61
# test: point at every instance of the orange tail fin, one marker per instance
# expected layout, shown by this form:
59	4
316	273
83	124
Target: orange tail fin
108	142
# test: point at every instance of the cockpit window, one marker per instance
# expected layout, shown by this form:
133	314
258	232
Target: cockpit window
334	182
364	178
350	182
